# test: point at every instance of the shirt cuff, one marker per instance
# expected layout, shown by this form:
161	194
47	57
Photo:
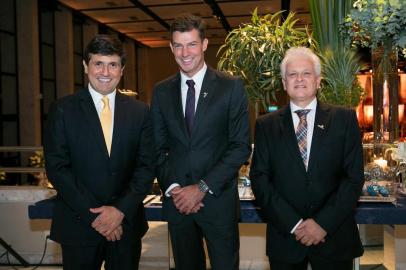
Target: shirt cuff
169	189
297	224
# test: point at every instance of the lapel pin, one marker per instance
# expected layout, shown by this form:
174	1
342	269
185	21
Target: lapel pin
204	94
321	126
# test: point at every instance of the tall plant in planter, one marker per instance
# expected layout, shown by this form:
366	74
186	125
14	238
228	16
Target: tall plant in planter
254	52
340	64
381	26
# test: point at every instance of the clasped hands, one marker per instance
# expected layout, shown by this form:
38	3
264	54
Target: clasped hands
187	199
108	222
310	233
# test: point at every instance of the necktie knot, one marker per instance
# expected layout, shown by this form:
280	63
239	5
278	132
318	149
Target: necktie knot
105	101
302	113
190	83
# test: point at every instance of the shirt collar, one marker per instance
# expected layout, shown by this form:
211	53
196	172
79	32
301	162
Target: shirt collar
96	96
197	78
312	106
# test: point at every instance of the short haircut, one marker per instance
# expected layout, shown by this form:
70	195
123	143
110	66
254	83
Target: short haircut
104	45
302	52
188	22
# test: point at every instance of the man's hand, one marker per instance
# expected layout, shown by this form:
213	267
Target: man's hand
108	220
310	233
116	234
188	199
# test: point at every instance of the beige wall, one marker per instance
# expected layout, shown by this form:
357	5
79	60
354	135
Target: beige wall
156	64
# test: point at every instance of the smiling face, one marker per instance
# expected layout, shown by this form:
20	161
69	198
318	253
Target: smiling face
188	49
300	81
104	72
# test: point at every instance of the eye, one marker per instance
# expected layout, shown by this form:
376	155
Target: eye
176	46
114	65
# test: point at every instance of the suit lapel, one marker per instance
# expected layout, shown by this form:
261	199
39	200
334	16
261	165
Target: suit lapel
176	98
288	134
206	93
120	121
90	113
321	124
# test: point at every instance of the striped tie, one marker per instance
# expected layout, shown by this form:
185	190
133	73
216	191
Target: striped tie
301	134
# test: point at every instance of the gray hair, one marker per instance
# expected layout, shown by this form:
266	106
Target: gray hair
300	52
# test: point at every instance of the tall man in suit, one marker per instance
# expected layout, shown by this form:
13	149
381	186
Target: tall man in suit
99	157
201	133
307	174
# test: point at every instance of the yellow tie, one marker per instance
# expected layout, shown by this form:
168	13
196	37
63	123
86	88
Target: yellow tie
105	119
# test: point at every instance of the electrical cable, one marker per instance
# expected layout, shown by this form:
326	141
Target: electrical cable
35	265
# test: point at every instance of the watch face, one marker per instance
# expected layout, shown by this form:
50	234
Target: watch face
203	187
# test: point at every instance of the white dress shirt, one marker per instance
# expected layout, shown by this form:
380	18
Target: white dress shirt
98	103
311	115
198	79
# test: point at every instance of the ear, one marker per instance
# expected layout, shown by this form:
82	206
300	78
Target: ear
284	84
84	66
205	44
318	82
170	45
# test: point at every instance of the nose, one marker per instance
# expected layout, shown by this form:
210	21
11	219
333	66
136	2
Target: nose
299	77
185	51
105	70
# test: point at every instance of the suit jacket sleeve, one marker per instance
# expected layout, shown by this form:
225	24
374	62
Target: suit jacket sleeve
143	174
274	207
342	203
58	167
238	149
164	172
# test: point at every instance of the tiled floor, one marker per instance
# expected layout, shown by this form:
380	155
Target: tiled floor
155	255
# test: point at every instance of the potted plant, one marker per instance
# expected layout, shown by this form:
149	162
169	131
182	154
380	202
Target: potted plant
340	64
254	52
375	23
381	26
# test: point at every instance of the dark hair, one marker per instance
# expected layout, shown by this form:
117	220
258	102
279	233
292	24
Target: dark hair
104	45
188	22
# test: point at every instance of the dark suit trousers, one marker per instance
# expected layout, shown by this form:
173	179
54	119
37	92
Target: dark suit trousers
187	243
317	263
119	255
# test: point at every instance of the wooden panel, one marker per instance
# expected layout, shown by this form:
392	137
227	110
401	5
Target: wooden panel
247	7
118	15
137	27
168	2
170	12
94	4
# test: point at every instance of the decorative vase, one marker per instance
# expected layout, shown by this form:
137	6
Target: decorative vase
385	93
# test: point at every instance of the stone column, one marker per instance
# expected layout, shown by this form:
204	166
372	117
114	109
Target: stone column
90	29
28	72
64	52
130	70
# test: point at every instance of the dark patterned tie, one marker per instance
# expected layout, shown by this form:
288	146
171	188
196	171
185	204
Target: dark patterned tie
301	134
190	105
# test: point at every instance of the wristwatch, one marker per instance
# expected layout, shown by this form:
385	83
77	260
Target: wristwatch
203	187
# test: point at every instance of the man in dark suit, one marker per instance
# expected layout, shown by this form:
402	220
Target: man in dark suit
99	157
201	133
307	174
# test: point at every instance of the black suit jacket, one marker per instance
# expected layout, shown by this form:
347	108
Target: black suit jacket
327	192
80	169
218	146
